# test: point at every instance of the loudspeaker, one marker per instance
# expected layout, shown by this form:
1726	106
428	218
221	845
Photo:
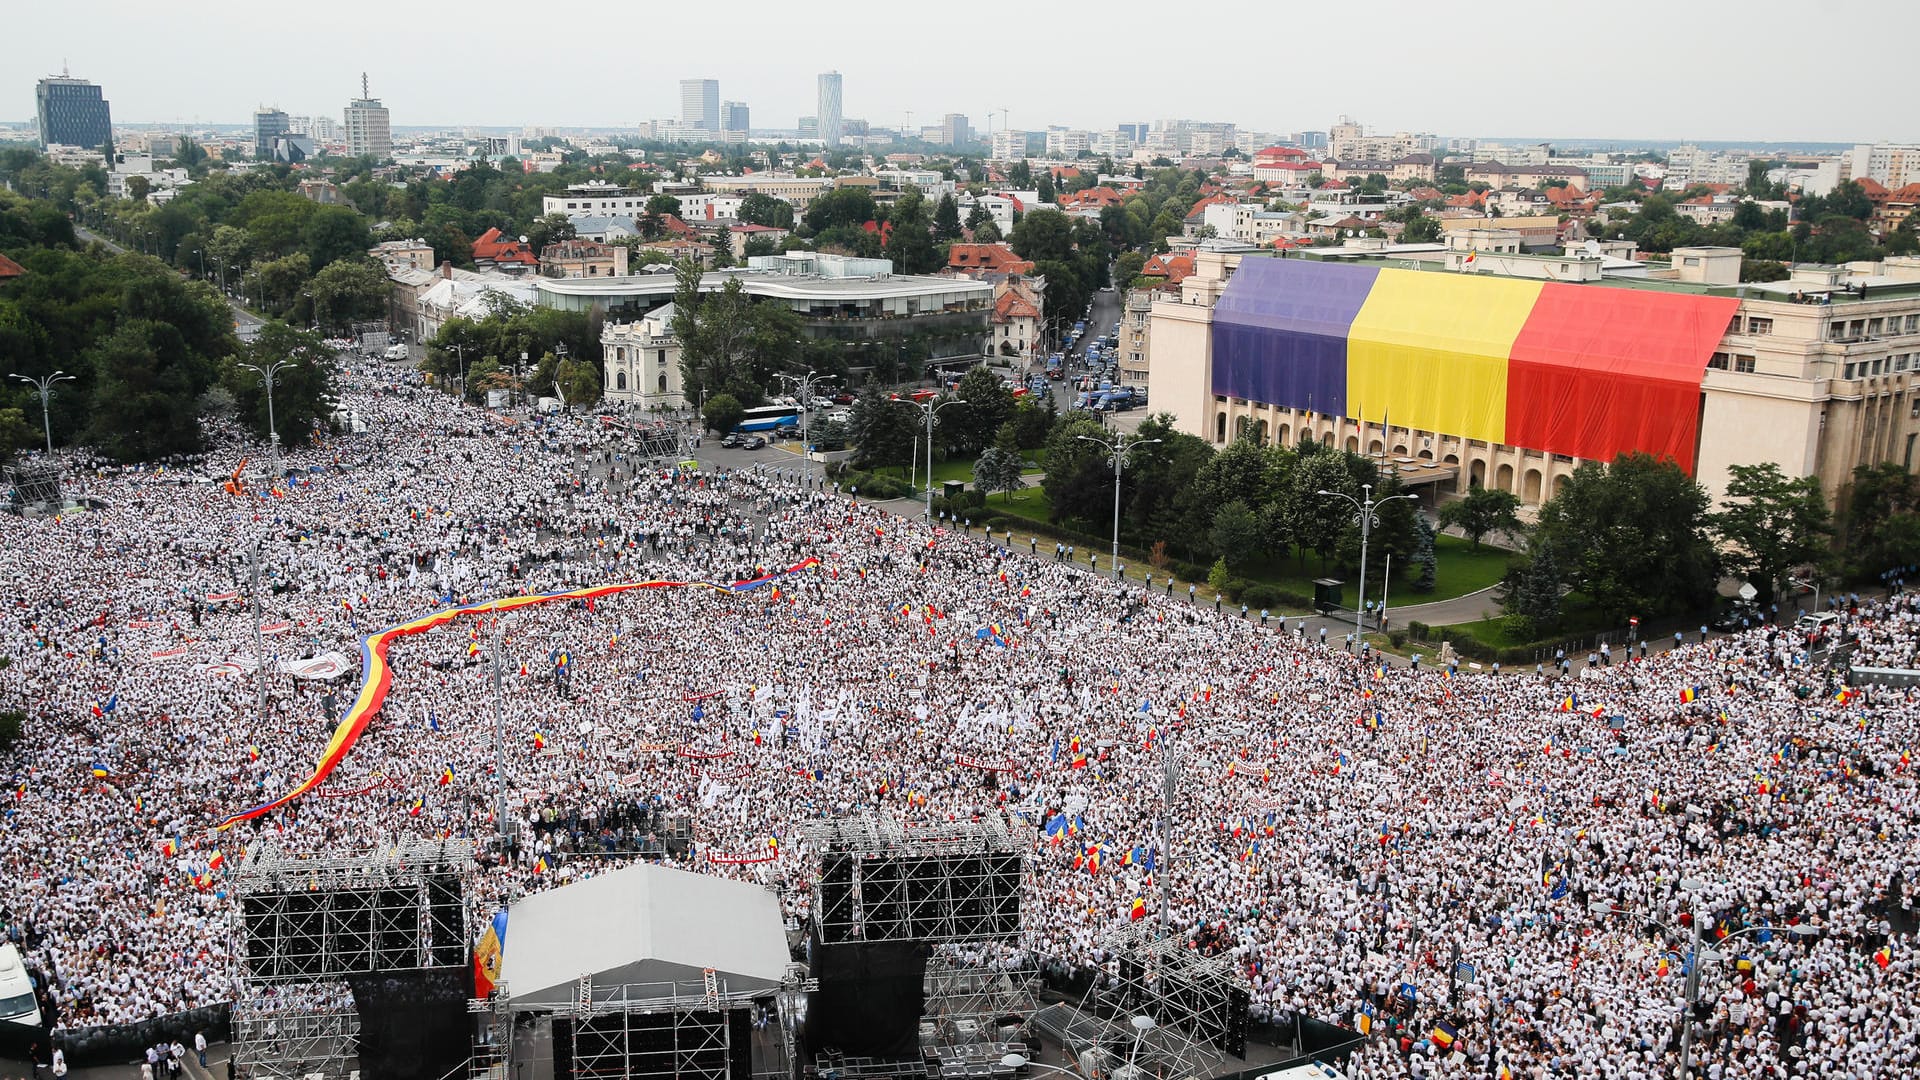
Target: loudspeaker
413	1024
870	998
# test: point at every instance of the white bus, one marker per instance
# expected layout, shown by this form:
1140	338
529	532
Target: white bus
769	417
17	1003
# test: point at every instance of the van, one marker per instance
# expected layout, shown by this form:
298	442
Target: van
17	1003
396	352
1816	620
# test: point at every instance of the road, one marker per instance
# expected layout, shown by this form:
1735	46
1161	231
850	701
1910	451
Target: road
245	323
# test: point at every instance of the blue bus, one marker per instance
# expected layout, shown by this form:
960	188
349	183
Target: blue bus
769	417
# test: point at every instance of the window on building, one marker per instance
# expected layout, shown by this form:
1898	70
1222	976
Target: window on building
1759	326
1914	412
1743	364
1913	324
1900	362
620	381
1873	327
1718	361
1850	372
1220	427
663	382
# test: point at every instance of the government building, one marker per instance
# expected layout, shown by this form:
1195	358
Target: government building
1477	365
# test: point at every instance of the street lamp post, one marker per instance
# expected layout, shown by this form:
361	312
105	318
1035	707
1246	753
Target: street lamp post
930	407
259	641
268	372
1809	582
45	385
1118	449
1367	514
1696	958
804	386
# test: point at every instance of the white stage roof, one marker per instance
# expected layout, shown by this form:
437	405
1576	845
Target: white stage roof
643	925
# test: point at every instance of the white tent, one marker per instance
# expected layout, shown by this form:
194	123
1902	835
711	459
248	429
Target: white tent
649	929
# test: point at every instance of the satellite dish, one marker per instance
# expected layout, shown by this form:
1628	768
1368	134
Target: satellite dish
523	238
1748	592
1593	248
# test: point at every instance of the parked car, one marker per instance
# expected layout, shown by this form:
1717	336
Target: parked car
754	442
733	440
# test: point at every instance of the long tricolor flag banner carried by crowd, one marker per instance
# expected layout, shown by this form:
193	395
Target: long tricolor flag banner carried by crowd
376	677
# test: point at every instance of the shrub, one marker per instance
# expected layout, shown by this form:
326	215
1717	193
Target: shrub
12	723
1218	576
1262	596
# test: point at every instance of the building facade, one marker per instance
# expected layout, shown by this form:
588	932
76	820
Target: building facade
1463	379
583	258
268	125
72	112
640	362
827	110
700	103
954	130
368	128
734	116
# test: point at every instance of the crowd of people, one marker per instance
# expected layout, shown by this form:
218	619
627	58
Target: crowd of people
1482	871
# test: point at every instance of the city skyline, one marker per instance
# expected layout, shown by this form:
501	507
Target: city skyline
1516	78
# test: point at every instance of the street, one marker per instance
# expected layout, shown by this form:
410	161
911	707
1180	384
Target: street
245	323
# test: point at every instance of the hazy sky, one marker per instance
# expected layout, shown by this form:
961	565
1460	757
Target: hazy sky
1661	71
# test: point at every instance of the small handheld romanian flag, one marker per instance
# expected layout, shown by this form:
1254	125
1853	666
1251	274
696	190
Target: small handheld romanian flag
1445	1035
1687	694
446	775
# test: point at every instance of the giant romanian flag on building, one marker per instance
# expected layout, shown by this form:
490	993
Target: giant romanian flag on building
1589	370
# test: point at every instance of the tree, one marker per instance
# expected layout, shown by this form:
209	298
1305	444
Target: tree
1876	501
1319	521
840	208
722	413
946	220
762	209
1236	534
1421	229
663	205
146	391
883	430
16	433
1772	524
1481	511
348	291
1425	559
727	341
1532	595
1000	465
137	188
1043	236
987	232
989	405
302	388
549	229
334	232
909	241
1632	535
1079	477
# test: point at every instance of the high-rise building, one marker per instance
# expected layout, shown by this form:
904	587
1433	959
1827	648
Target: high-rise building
829	108
72	112
369	129
700	103
268	125
1135	132
733	116
954	129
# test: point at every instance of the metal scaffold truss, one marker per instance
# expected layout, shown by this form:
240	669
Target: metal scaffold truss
313	920
310	1031
967	1004
1198	1003
691	1029
950	882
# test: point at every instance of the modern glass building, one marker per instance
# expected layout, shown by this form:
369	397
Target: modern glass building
72	112
700	103
829	108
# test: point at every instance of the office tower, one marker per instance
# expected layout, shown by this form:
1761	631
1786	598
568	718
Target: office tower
368	127
72	113
829	110
1135	132
700	103
733	116
954	129
268	125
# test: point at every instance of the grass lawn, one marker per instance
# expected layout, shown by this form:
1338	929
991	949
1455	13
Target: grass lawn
1578	616
960	469
1458	570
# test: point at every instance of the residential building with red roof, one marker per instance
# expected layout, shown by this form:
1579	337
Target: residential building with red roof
1014	327
10	269
997	258
490	249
